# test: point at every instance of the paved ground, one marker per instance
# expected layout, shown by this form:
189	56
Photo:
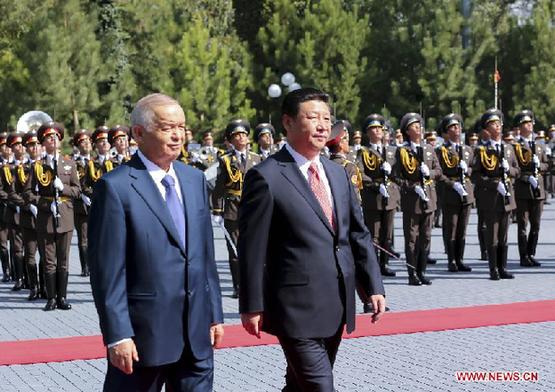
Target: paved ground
412	362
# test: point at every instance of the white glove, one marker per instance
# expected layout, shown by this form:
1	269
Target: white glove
386	167
501	189
420	192
536	160
17	209
463	166
424	169
33	209
217	219
459	188
533	181
505	165
383	191
58	184
86	199
195	157
54	208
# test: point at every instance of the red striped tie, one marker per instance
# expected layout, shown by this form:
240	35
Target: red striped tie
319	190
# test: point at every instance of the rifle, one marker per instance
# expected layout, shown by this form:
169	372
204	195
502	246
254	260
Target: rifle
56	195
535	170
420	157
461	172
504	177
384	174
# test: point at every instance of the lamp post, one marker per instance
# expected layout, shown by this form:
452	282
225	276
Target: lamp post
274	90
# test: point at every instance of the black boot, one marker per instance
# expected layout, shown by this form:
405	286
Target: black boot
523	250
502	262
5	259
33	282
84	261
423	260
18	265
42	281
61	286
451	265
412	265
532	244
50	283
384	258
234	269
459	256
482	242
492	261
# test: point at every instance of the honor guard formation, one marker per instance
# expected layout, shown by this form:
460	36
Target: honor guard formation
433	177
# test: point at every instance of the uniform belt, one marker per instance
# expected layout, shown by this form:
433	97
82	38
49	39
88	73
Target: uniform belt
457	178
61	199
233	193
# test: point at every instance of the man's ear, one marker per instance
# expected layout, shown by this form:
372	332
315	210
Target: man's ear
137	132
287	122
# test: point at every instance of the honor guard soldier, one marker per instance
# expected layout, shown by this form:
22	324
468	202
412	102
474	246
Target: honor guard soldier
27	217
82	141
456	189
494	166
416	169
380	195
7	270
529	187
209	151
118	138
264	137
57	182
100	165
229	186
14	142
357	144
338	145
472	139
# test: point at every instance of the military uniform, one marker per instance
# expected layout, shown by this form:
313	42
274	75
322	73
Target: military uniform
113	134
417	212
7	270
96	167
356	138
262	129
533	162
54	225
226	195
81	204
488	174
12	217
457	191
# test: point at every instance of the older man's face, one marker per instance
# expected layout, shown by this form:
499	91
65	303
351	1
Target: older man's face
162	142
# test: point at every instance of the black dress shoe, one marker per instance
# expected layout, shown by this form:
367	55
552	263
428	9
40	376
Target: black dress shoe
387	272
534	262
50	305
431	260
506	275
452	267
18	285
425	280
525	261
463	267
414	281
494	275
63	304
33	295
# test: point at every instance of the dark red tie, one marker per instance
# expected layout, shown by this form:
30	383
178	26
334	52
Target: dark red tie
319	190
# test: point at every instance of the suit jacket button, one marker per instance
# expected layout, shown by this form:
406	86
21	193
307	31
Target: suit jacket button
337	248
189	293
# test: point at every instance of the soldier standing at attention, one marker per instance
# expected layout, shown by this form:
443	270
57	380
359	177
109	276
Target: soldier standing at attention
494	166
416	169
455	159
529	187
380	195
57	182
264	137
7	271
100	165
118	138
82	141
338	145
357	144
229	186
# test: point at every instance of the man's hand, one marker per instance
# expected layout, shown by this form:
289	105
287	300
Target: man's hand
216	334
378	303
123	355
252	322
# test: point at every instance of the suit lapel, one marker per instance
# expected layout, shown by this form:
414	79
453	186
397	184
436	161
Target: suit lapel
293	174
148	191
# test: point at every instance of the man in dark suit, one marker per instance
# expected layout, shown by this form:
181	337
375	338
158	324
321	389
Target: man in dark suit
302	246
151	256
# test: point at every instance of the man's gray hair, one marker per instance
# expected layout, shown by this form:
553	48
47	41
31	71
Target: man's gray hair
143	113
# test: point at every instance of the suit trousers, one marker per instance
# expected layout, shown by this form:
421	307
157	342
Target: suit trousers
186	375
310	362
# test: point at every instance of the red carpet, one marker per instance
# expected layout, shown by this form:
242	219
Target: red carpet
393	323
